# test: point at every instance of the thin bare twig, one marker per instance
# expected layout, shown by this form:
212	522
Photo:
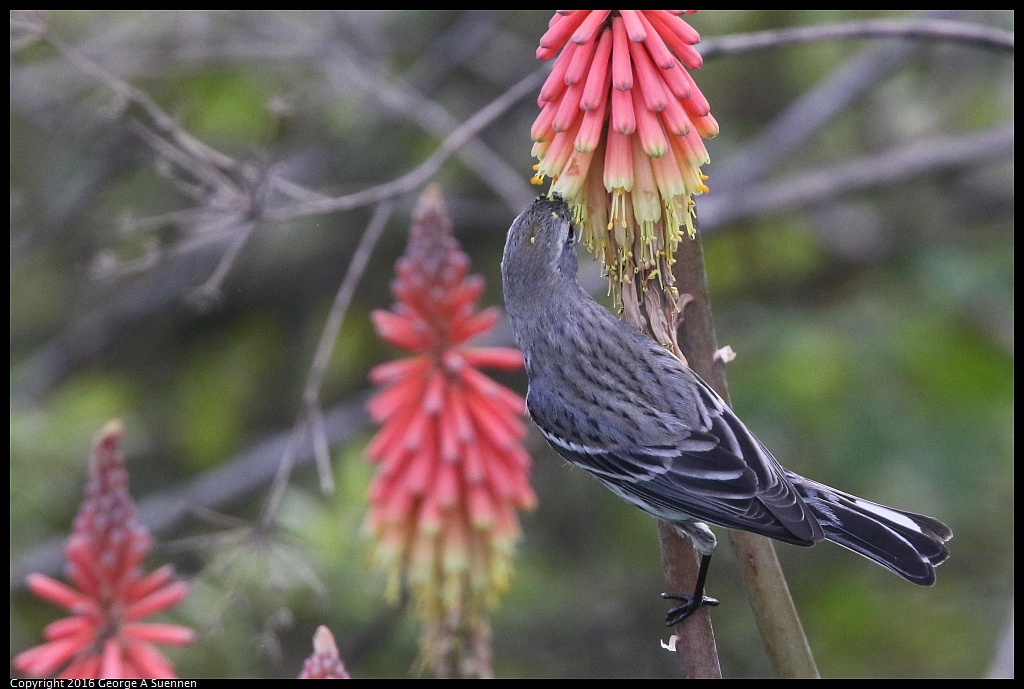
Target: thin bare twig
920	29
806	116
212	177
343	69
329	336
324	350
815	108
198	150
209	290
346	66
229	204
418	176
160	118
312	418
470	33
897	165
240	201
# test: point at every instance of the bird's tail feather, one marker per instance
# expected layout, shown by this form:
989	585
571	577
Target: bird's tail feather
911	545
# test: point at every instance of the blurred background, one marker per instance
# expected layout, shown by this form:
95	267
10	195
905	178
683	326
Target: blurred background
170	267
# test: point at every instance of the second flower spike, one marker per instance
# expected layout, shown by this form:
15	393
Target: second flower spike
451	472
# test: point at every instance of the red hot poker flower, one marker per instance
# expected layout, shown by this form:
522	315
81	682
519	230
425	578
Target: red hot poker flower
451	471
104	637
620	134
325	663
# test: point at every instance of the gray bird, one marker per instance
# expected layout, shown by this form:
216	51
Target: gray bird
612	401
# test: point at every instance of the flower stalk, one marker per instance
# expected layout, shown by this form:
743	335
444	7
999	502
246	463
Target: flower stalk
105	637
451	472
620	135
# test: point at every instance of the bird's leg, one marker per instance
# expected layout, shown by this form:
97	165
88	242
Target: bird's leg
690	603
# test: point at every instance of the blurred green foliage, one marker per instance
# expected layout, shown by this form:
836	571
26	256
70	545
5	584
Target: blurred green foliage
874	327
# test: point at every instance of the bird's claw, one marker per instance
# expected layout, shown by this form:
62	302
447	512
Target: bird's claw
689	606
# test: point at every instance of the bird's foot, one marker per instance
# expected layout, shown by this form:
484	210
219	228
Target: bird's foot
690	605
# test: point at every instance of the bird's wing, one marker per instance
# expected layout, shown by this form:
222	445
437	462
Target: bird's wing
706	468
776	492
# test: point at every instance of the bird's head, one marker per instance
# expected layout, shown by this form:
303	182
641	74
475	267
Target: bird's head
540	251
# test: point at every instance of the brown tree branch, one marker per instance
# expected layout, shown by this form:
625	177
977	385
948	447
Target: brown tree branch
780	627
919	29
815	108
694	637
